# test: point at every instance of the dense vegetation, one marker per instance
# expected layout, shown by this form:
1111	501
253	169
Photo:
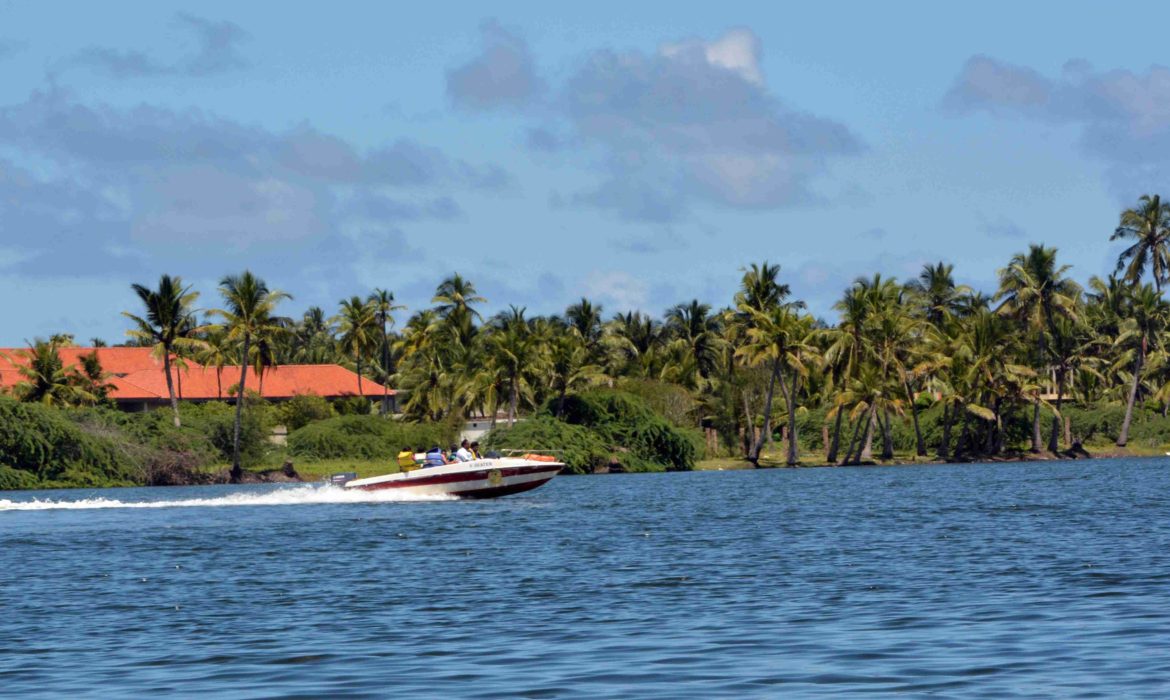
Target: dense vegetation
924	366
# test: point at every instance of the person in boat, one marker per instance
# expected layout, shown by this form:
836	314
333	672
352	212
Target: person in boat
435	457
464	453
475	451
406	460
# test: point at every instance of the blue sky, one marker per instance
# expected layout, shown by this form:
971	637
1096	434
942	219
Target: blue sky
639	154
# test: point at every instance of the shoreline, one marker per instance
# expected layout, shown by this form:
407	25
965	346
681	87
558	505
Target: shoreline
288	474
1104	452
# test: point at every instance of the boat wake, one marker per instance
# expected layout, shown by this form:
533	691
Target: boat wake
293	496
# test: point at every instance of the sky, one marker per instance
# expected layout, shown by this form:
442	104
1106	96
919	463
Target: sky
638	154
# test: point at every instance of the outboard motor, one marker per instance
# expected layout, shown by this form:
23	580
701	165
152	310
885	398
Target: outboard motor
342	478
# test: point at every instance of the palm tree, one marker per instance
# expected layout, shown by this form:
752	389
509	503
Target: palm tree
384	308
1148	314
846	350
1148	227
249	313
215	351
698	330
45	378
1035	292
358	324
91	378
315	344
518	355
584	319
423	372
779	338
569	367
167	325
455	299
936	292
633	338
1073	350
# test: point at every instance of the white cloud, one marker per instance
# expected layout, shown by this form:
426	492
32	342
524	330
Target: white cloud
738	50
618	290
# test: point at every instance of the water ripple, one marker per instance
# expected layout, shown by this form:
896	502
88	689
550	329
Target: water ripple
1028	580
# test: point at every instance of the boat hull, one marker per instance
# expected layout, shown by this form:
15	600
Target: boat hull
488	478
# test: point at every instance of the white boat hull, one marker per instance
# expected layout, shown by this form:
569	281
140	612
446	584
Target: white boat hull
482	478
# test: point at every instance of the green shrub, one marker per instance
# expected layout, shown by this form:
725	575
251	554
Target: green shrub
581	449
353	406
671	401
624	421
216	422
365	437
44	443
16	479
303	409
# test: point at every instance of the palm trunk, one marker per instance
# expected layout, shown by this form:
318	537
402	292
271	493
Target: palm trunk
964	436
747	417
1037	440
944	447
1054	437
920	444
171	384
358	362
385	370
853	440
793	436
887	437
512	399
219	382
1133	387
237	469
758	443
867	450
831	457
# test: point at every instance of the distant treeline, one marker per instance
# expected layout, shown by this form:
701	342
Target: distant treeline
924	365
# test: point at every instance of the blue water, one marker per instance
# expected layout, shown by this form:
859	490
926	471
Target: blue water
959	581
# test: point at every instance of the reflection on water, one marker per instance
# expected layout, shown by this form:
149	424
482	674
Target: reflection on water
983	580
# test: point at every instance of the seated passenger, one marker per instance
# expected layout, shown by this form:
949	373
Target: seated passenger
464	453
435	457
406	460
475	451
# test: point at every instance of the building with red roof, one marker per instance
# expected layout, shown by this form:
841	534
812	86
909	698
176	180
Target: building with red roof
138	381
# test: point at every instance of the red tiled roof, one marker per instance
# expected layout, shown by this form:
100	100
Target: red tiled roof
136	376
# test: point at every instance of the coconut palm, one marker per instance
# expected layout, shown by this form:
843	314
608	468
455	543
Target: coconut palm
249	313
357	323
584	320
45	379
167	325
384	308
694	327
1035	291
1141	330
423	372
569	367
517	354
215	351
937	296
1146	228
782	340
632	339
455	300
1073	349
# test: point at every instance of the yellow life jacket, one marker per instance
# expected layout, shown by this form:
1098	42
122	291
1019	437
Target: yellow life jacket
406	460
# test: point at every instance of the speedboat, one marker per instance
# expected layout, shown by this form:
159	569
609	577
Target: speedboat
481	478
